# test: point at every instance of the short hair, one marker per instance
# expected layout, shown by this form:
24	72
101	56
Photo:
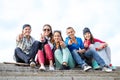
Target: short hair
71	28
26	25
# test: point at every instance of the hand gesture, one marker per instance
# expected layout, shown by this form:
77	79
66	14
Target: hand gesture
81	51
42	38
70	42
62	44
20	36
57	45
103	45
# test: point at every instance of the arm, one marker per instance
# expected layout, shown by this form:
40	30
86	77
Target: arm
62	44
81	46
19	37
66	41
103	44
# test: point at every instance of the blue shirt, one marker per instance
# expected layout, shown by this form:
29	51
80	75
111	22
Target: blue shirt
73	46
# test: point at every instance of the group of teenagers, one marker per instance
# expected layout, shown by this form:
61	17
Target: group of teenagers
57	53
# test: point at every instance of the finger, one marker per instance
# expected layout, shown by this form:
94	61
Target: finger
41	34
22	33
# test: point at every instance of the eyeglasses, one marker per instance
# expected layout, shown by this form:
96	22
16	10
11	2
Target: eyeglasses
46	29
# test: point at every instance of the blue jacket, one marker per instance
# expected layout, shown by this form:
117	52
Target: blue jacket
79	45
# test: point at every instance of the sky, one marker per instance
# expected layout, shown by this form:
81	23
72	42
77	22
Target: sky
101	16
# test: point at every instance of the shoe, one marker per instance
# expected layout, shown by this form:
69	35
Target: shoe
112	67
42	68
86	67
51	68
95	65
64	67
97	68
32	64
106	69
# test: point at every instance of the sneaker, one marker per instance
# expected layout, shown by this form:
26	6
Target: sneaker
106	69
32	64
86	67
51	68
95	65
97	68
64	67
112	67
42	68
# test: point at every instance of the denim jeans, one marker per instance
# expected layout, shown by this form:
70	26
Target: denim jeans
91	53
78	58
105	53
63	55
23	57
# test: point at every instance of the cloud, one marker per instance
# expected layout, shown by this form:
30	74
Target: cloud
102	17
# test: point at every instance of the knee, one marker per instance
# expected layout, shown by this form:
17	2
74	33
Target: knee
46	46
17	49
92	50
57	51
74	51
36	43
40	52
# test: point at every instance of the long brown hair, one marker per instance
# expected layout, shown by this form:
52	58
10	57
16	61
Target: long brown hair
91	38
51	34
59	33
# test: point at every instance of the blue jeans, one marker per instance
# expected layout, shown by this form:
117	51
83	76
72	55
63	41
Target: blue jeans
91	53
23	57
78	58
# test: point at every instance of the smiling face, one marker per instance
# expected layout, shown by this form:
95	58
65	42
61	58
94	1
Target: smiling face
71	32
26	31
47	30
57	37
87	35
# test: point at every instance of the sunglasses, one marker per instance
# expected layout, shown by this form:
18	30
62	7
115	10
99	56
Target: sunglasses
46	29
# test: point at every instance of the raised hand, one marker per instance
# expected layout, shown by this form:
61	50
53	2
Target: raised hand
70	42
42	38
20	36
62	44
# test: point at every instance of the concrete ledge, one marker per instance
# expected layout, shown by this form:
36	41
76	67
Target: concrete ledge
13	72
57	78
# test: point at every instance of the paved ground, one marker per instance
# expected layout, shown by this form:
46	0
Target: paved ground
13	72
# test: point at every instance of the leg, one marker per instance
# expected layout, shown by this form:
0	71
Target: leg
19	54
49	56
92	53
18	59
58	57
77	58
49	53
41	60
104	53
67	57
40	57
34	49
108	53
